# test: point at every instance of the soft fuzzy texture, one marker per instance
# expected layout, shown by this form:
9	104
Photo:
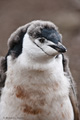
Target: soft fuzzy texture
73	91
38	85
35	94
2	72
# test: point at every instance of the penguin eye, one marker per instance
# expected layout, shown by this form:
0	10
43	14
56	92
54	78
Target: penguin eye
41	40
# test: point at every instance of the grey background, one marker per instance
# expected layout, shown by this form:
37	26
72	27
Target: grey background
64	13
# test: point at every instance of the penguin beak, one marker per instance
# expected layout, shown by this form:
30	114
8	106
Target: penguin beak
59	47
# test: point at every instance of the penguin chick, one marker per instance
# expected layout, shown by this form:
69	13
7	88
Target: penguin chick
36	86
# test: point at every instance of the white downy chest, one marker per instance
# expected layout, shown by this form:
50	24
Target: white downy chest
45	99
36	95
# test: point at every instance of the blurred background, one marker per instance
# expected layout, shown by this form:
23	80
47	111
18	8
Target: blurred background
64	13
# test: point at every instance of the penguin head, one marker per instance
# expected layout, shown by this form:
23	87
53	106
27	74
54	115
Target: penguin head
37	40
46	37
